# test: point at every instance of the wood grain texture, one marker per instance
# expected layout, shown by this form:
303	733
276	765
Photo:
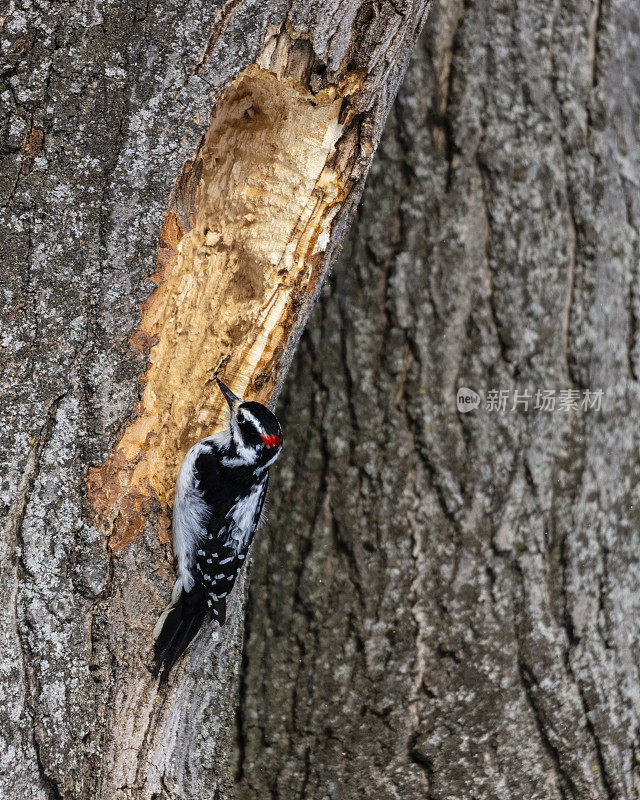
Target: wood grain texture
445	606
104	108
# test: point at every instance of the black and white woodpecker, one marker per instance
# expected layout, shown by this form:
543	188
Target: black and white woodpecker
218	503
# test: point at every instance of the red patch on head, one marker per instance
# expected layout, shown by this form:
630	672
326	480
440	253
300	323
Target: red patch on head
272	440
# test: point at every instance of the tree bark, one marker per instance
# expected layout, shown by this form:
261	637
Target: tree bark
238	135
445	605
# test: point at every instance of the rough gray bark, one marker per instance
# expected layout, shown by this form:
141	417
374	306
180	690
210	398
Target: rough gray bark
447	605
102	106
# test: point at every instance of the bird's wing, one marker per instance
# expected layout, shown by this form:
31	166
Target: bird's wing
221	555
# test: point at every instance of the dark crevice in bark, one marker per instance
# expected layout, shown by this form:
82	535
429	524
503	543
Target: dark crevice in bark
240	720
423	762
485	182
595	38
612	794
225	13
566	784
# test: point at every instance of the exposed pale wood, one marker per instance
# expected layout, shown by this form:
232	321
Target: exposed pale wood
237	269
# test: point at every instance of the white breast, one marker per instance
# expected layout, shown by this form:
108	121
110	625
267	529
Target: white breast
242	518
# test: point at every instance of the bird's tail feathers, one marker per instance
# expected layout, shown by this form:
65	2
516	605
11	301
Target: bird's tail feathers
175	594
177	627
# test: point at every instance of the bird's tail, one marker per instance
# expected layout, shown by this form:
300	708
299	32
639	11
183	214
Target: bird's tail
177	626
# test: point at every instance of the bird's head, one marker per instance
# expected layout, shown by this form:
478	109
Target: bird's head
255	433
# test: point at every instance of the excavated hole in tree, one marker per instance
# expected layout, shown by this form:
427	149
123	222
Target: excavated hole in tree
228	289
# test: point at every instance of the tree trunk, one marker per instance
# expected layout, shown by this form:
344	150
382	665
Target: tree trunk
238	134
446	604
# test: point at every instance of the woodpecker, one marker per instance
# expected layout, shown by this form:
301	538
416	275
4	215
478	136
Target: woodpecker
218	503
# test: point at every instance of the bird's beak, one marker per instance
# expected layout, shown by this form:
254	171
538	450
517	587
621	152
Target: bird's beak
229	396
